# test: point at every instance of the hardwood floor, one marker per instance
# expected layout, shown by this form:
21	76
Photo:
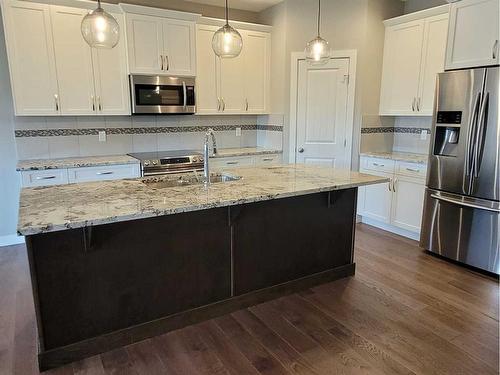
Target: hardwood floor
405	312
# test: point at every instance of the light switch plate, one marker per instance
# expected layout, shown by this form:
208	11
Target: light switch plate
238	132
102	136
423	135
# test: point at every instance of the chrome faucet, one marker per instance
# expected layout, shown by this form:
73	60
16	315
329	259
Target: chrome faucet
206	154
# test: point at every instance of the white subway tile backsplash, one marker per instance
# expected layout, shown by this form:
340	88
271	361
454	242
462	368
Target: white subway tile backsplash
63	147
118	122
143	121
116	144
32	147
30	122
144	142
86	122
62	122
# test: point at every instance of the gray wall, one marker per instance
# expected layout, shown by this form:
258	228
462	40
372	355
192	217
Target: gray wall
9	180
353	24
416	5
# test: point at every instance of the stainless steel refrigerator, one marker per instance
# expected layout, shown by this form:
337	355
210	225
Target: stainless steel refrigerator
462	199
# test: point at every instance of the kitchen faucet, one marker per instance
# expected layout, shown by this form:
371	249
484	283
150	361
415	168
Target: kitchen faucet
206	154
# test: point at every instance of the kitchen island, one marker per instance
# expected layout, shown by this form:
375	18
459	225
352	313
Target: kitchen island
119	261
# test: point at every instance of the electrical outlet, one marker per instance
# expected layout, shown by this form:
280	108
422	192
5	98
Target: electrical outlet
102	136
423	135
238	132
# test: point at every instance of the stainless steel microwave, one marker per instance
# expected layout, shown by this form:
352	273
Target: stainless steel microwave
162	94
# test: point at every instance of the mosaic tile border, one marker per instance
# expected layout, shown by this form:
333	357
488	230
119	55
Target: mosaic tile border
381	130
141	130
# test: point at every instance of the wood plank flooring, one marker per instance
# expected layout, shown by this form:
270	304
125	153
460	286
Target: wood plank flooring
405	312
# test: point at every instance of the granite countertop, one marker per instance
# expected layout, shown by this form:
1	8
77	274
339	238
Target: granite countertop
244	151
399	156
93	161
55	208
74	162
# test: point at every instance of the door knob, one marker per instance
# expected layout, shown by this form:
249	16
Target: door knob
301	150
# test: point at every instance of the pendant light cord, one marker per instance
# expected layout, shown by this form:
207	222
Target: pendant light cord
227	19
99	4
319	13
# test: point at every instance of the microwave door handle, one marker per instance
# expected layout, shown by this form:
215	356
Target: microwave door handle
184	91
480	135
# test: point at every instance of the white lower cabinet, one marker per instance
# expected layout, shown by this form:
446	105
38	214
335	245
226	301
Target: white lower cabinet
64	176
398	203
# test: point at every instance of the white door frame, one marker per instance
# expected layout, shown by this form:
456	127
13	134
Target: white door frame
338	54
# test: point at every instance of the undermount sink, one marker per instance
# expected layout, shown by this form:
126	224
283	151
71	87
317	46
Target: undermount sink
187	179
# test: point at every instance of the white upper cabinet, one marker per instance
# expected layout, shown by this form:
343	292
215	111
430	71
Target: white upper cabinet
30	49
54	71
73	62
233	86
473	34
158	45
414	52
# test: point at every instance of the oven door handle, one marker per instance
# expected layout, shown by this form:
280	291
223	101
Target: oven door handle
458	202
184	91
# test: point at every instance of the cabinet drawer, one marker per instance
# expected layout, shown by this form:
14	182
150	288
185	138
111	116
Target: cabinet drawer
232	162
102	173
378	165
411	169
268	159
44	177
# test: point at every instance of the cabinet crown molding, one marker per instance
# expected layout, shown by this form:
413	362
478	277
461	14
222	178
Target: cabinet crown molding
417	15
237	24
159	12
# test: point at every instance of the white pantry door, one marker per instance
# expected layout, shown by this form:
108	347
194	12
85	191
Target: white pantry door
322	113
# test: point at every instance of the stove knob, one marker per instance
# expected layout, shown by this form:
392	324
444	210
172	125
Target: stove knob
196	159
155	162
201	159
146	162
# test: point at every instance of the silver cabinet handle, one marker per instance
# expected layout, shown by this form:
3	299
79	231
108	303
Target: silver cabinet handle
184	92
93	102
99	105
223	104
268	159
104	173
161	58
246	104
413	105
394	184
378	165
45	177
495	49
56	99
167	62
231	162
418	104
389	185
301	150
413	170
218	104
464	204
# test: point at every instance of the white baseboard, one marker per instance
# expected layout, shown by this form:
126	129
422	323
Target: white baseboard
12	239
391	228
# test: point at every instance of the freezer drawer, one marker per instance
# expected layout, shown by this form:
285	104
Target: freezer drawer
462	229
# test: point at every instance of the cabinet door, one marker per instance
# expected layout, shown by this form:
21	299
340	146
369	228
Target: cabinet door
376	200
433	53
179	47
408	203
75	76
111	78
256	56
401	67
232	80
30	48
207	101
145	43
473	34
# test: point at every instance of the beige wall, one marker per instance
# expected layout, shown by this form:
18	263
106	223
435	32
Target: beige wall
187	6
416	5
353	24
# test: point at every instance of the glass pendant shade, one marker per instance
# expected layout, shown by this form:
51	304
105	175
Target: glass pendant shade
317	51
227	42
100	29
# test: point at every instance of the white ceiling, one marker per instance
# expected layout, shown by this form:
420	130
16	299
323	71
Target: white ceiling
251	5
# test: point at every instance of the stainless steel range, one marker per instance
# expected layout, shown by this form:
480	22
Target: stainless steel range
165	162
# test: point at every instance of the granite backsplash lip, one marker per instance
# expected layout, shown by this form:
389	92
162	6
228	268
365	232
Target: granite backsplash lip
61	207
399	156
245	151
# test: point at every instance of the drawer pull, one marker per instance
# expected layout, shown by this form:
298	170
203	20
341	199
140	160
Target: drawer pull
45	177
231	162
413	170
104	173
378	165
268	159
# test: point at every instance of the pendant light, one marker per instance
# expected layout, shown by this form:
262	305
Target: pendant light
227	42
317	50
100	29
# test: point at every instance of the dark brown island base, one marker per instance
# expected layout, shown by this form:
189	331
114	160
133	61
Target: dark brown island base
97	287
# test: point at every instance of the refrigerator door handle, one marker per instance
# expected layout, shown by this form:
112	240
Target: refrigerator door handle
464	204
469	151
480	135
